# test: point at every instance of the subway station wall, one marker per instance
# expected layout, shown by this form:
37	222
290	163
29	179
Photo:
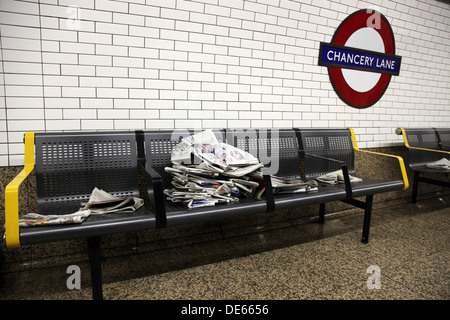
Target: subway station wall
174	64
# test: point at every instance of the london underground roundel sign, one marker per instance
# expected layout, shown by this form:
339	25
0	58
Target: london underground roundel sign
361	58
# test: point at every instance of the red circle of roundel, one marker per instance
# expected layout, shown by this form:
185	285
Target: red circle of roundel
350	25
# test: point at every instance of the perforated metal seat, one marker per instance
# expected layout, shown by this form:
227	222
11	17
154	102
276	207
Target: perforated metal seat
337	144
68	168
443	135
426	145
328	150
422	142
158	148
70	165
329	145
278	151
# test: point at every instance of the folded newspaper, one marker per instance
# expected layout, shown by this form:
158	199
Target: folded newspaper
206	172
440	164
282	185
100	202
34	219
336	177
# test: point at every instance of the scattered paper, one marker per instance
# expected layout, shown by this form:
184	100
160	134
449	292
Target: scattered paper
100	202
34	219
444	164
336	177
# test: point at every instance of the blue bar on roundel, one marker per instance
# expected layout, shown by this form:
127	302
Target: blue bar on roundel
354	58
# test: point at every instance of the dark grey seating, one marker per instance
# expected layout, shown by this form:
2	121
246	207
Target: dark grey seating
68	167
321	146
158	147
278	150
443	135
426	145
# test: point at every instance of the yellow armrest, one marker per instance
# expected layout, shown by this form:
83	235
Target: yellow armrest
400	159
12	195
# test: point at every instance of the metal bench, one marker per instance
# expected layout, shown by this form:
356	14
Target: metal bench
425	145
443	135
281	146
328	150
158	148
68	167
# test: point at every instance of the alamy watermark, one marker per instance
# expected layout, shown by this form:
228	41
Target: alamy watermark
374	280
374	21
73	20
74	280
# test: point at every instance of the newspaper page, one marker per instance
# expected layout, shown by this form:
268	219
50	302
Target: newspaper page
34	219
203	170
443	164
102	202
282	185
336	177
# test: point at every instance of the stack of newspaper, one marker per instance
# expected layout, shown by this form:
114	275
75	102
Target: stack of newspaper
206	172
336	177
35	219
100	202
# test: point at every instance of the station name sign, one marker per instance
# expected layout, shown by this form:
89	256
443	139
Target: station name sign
353	58
361	58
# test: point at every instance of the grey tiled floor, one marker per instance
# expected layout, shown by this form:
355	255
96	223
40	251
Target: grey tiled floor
308	261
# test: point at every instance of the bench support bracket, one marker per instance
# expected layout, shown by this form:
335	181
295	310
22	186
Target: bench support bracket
418	178
322	213
96	267
367	206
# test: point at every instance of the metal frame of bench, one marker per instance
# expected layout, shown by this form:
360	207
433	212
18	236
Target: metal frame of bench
443	136
328	150
281	143
425	145
68	167
85	160
158	147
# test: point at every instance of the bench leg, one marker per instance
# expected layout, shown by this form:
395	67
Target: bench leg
415	187
367	216
96	267
322	213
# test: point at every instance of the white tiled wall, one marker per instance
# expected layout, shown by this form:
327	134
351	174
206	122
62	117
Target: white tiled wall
136	64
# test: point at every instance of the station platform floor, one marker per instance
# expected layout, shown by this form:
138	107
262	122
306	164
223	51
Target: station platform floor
407	258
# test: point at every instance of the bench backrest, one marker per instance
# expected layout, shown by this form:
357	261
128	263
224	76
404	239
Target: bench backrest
443	136
422	138
158	149
418	139
330	143
277	149
70	165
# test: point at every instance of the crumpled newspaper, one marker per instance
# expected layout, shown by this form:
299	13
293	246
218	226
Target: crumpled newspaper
336	177
203	149
35	219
